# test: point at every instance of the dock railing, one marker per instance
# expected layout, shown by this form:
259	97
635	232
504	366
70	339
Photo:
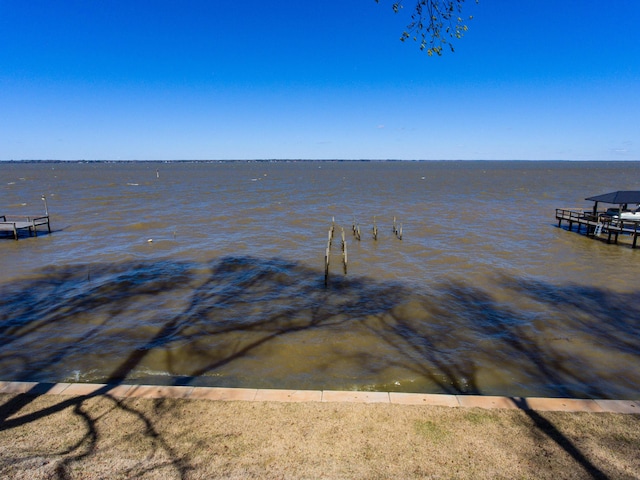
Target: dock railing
570	214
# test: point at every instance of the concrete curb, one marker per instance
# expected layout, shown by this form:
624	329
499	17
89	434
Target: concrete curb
267	395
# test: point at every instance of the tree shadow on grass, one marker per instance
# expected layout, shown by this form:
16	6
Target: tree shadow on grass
546	427
232	315
88	443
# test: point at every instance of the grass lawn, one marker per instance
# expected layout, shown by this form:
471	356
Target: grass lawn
64	437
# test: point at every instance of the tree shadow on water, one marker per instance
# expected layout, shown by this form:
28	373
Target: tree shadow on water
534	339
54	323
200	320
172	304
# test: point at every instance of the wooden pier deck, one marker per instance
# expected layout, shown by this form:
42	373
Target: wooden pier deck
599	224
15	224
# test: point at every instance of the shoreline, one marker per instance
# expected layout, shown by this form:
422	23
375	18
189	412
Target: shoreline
542	404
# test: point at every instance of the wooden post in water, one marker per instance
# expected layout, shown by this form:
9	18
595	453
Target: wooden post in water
344	252
331	230
327	254
397	231
356	231
375	229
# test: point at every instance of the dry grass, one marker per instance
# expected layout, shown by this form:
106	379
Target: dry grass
103	437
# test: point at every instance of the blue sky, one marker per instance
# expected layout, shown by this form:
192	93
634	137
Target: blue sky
304	79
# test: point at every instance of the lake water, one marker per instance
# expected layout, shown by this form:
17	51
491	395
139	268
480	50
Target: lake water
213	274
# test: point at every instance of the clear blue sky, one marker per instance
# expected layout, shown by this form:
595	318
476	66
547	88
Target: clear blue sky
206	79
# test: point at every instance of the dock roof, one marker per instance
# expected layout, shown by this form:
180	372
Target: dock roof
620	197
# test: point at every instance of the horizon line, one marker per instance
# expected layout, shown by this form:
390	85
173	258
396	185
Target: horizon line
292	160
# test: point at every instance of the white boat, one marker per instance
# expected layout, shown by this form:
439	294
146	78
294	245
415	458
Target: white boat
634	216
626	215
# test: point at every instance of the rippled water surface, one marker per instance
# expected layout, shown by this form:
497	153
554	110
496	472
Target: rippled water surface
213	274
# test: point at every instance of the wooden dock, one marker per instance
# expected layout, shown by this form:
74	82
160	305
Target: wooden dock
598	224
14	224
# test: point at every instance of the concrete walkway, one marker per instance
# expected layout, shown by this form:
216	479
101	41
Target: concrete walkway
265	395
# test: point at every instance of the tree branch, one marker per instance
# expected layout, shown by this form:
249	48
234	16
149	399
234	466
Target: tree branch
434	23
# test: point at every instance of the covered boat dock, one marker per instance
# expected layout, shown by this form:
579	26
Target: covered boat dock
609	222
